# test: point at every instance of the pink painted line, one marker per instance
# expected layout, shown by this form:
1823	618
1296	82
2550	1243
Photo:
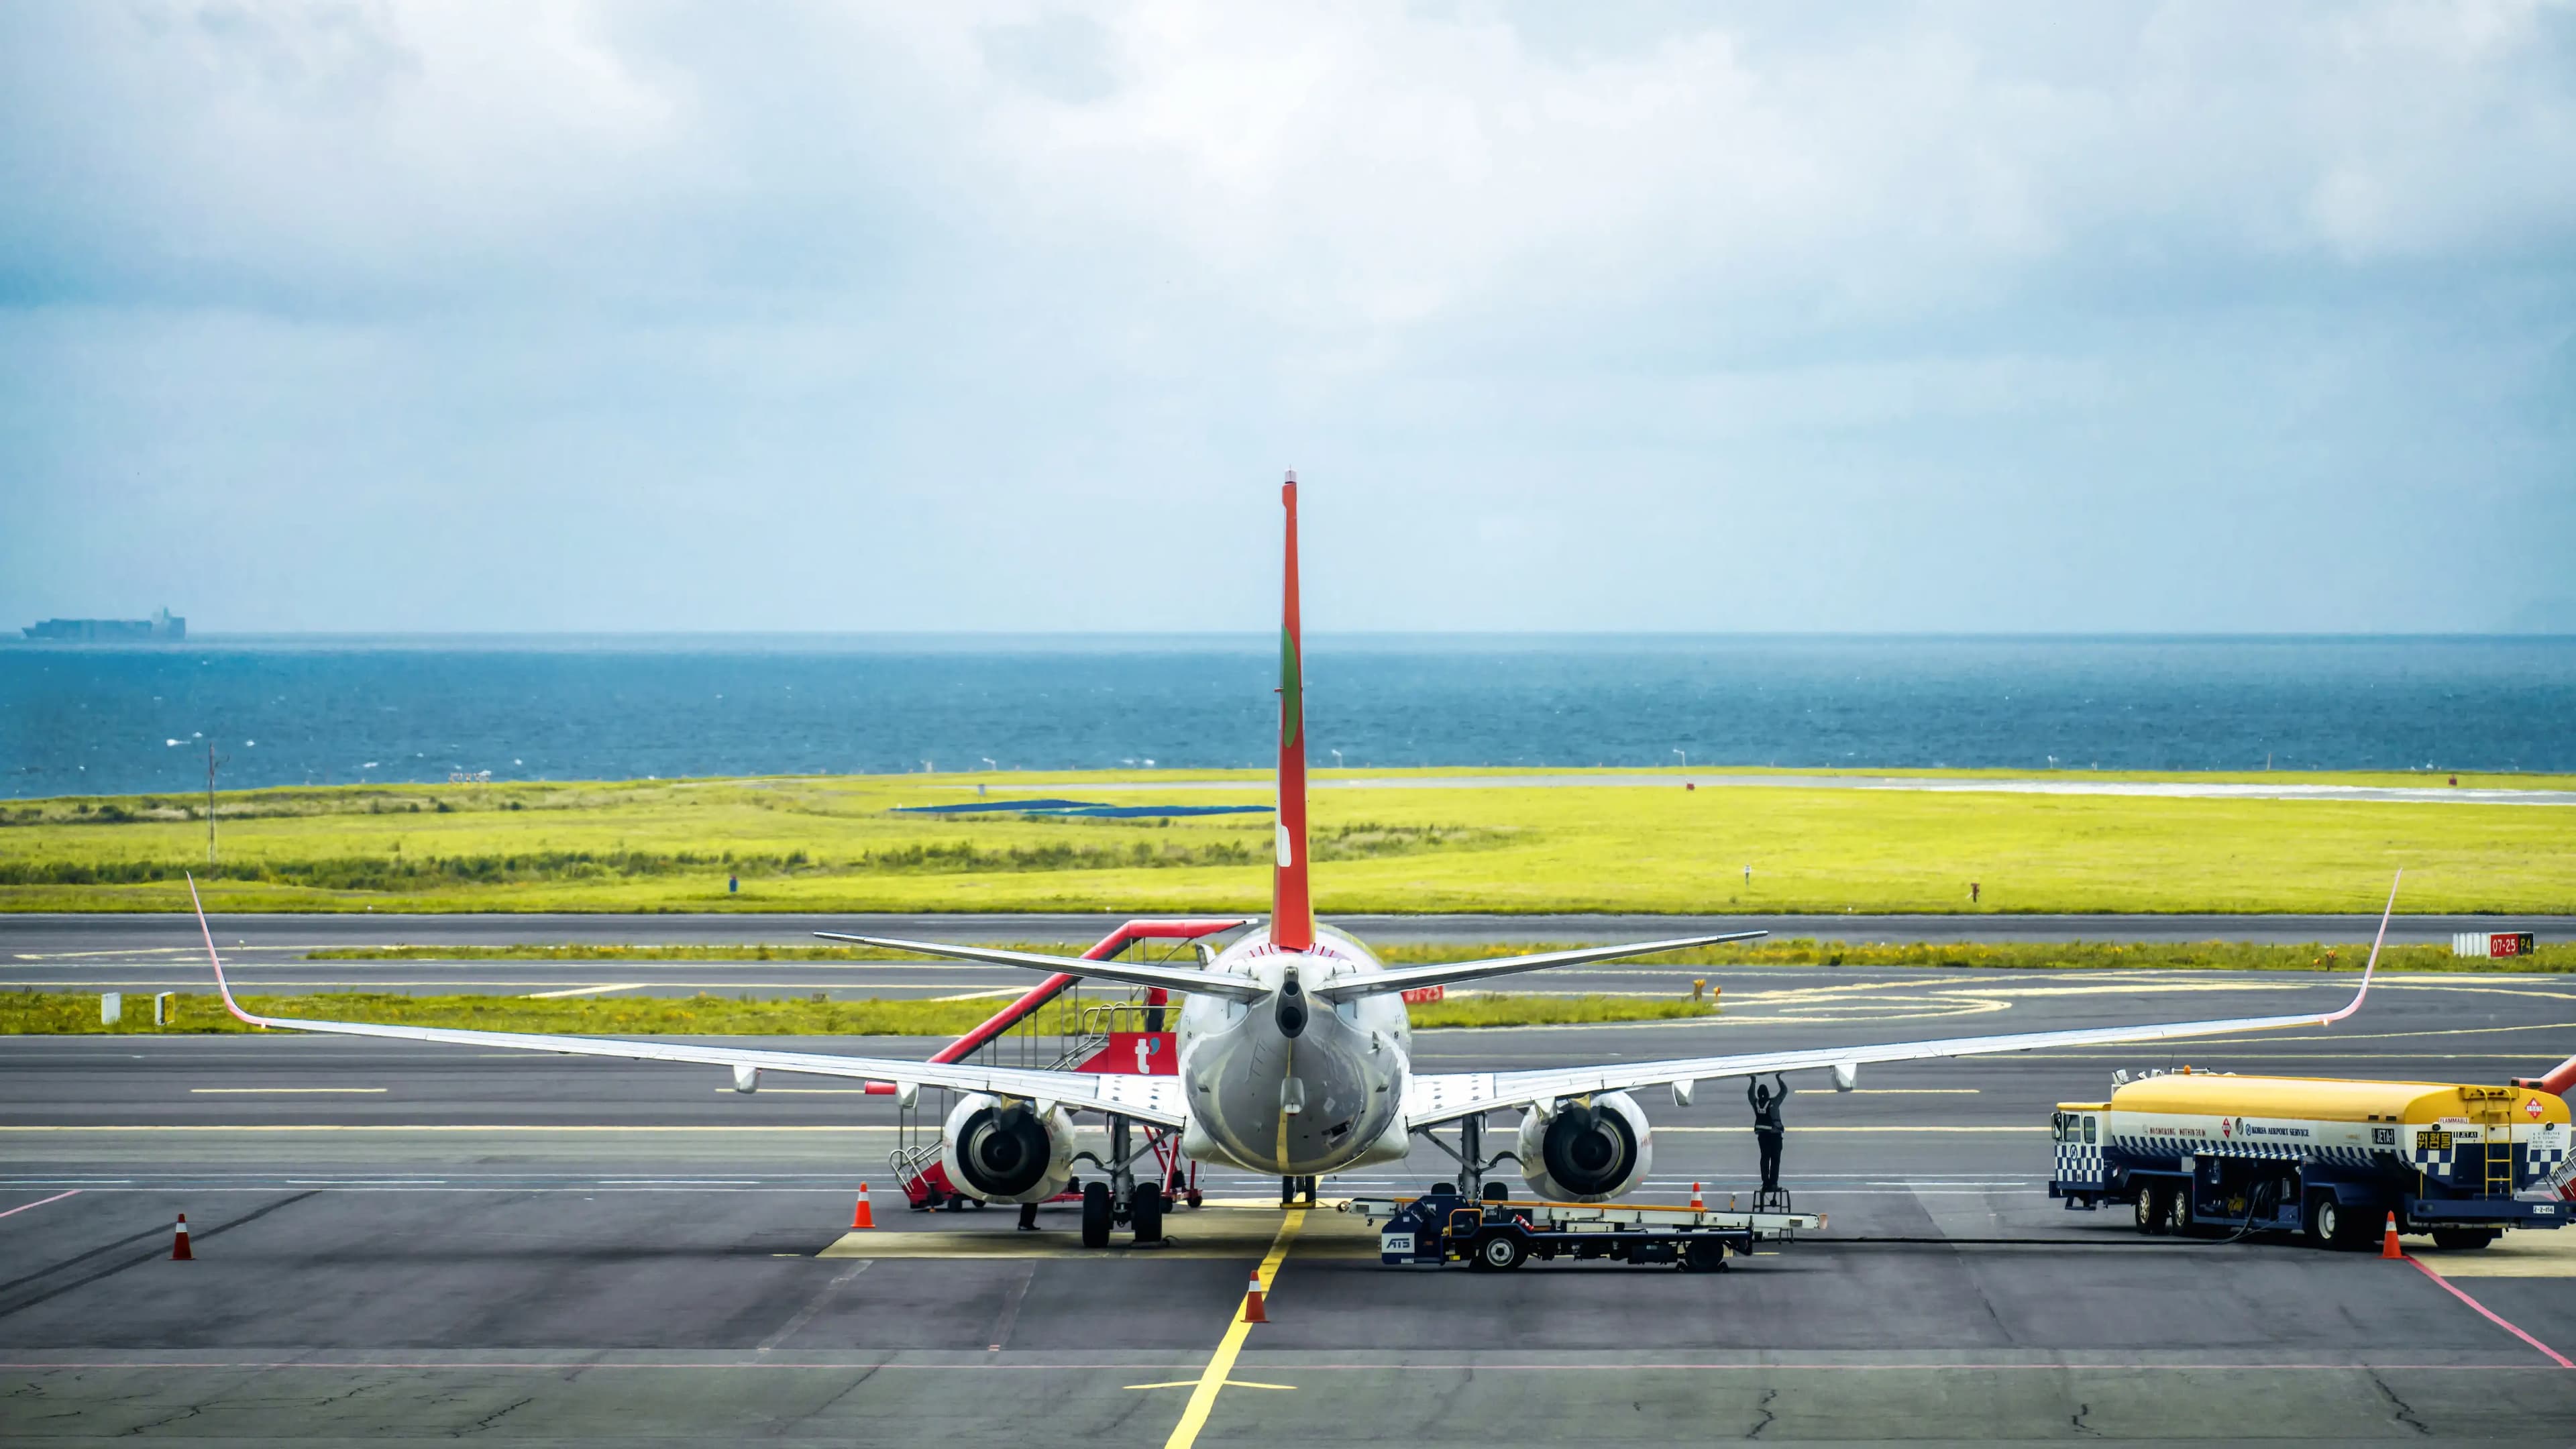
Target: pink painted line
987	1367
40	1202
2553	1355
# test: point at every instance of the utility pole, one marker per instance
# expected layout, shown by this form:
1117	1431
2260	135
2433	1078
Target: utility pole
212	760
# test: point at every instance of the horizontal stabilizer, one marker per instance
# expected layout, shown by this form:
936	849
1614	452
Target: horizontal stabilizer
1449	973
1170	978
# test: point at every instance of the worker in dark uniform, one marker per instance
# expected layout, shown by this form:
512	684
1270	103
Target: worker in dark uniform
1768	1130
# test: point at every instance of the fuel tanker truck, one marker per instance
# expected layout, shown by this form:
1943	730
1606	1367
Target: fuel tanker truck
2202	1153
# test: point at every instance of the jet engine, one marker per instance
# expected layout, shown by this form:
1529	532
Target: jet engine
1586	1150
1006	1152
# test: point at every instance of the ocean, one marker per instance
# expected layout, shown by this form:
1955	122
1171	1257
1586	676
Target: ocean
337	710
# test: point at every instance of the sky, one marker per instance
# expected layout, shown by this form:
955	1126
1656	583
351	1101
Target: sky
450	316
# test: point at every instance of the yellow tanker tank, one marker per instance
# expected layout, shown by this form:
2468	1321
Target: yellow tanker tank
2192	1151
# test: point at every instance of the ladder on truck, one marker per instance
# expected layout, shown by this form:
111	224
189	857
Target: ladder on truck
2492	1109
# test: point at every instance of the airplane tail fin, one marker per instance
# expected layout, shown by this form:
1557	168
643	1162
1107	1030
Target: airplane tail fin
1292	908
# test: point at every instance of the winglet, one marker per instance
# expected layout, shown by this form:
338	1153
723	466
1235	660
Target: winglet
2373	963
1292	906
221	986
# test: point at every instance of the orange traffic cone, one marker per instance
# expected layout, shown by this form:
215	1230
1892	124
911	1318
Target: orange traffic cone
1696	1205
179	1246
864	1215
2388	1241
1252	1307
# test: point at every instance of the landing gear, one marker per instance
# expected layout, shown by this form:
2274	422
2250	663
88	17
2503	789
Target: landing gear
1144	1213
1292	1188
1470	1156
1099	1214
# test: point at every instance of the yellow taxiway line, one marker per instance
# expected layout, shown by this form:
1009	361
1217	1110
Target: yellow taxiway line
1220	1365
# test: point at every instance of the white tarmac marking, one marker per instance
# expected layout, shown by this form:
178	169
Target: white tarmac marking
586	990
280	1091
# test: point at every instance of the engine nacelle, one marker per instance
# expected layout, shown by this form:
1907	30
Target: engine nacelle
1006	1153
1578	1152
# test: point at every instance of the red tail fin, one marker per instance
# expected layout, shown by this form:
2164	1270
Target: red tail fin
1292	909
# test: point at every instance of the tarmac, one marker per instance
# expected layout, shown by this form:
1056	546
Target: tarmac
152	952
401	1241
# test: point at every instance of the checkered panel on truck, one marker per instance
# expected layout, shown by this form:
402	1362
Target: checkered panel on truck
2079	1164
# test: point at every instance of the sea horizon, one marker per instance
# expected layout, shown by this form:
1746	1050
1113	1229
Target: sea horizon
304	708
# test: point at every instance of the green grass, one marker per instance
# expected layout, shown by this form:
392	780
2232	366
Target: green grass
53	1013
821	844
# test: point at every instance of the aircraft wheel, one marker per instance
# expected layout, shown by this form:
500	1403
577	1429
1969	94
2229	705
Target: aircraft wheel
1099	1214
1145	1212
1197	1198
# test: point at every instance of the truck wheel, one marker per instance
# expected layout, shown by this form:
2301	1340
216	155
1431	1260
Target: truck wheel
1099	1214
2177	1218
2461	1240
2143	1211
1704	1255
1501	1252
2325	1216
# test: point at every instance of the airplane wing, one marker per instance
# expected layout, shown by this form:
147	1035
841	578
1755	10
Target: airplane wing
1446	1097
1157	1100
1444	973
1171	978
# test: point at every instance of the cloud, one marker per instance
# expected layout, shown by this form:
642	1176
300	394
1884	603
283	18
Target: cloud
1058	276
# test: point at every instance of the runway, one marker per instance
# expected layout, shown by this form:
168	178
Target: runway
401	1241
147	953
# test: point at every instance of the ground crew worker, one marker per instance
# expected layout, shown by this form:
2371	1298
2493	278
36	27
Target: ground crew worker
1768	1129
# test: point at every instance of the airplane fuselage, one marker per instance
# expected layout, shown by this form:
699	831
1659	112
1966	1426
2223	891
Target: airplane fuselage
1292	1084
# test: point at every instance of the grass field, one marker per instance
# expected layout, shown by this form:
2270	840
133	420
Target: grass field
37	1013
1792	951
825	844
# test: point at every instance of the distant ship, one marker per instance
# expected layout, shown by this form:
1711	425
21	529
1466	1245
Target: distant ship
163	626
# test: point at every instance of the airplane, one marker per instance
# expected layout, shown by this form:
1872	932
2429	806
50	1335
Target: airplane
1295	1052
